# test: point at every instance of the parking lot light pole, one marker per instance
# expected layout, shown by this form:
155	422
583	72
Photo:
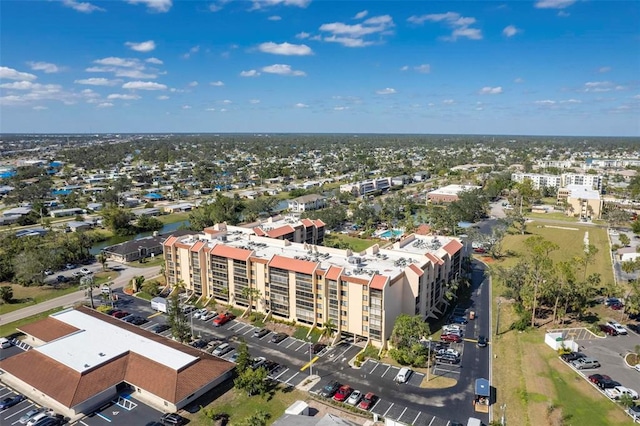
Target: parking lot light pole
429	360
310	354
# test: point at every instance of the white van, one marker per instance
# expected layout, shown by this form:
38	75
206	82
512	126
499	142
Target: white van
474	422
5	343
403	375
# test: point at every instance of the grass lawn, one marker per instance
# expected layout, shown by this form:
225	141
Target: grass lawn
173	217
144	295
27	296
148	263
552	216
105	276
530	379
239	406
356	244
8	329
302	331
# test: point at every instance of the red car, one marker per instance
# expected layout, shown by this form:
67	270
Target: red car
608	330
343	393
222	319
451	338
121	314
368	401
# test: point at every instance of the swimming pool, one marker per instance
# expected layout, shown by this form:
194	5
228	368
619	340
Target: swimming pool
391	233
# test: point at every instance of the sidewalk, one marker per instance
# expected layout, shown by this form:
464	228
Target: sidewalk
71	298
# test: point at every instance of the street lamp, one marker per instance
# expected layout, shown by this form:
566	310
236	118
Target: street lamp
429	359
310	354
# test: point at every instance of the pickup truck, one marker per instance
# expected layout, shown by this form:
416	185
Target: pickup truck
618	391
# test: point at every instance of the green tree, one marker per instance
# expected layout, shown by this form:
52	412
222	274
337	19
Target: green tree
177	319
408	331
222	209
137	282
148	223
102	258
244	357
118	220
328	328
87	283
624	240
540	265
251	294
6	293
28	267
252	381
151	287
259	418
635	226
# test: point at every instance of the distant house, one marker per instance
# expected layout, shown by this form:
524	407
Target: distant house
421	176
307	202
94	206
65	212
153	196
449	193
16	212
75	226
130	251
153	211
401	180
177	208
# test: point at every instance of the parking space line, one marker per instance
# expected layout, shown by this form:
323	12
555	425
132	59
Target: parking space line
80	421
6	394
103	417
385	413
432	420
248	331
278	376
18	412
376	366
385	371
376	404
291	378
304	344
416	419
405	409
154	315
340	356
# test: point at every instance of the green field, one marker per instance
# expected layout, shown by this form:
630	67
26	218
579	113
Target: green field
27	296
10	328
173	217
537	388
355	244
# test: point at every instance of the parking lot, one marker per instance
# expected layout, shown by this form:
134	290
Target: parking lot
388	372
121	411
11	415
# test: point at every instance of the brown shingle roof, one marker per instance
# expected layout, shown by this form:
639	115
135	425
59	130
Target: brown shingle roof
47	329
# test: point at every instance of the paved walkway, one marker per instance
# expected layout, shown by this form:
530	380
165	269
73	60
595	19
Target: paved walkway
69	299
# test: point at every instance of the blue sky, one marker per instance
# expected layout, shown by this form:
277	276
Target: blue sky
549	67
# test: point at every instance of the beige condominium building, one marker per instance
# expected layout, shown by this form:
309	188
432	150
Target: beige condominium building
361	293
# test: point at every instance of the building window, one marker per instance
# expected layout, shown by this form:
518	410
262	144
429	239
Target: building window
365	308
365	298
319	305
365	318
343	303
365	328
343	293
343	323
343	313
343	283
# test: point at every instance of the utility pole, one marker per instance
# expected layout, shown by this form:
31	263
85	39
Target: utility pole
498	319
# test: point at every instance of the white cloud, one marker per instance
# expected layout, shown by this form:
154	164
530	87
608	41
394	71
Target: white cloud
302	35
186	106
361	15
193	84
563	14
510	31
123	97
405	68
423	68
386	91
283	69
104	105
554	4
19	85
459	24
254	101
40	108
518	80
47	67
82	6
285	48
301	105
340	108
490	90
97	82
193	50
154	5
217	83
226	102
144	85
261	4
155	61
249	73
571	101
12	74
143	46
598	86
447	102
603	70
118	62
274	18
545	102
162	97
353	35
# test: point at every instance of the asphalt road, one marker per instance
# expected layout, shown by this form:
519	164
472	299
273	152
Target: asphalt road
123	278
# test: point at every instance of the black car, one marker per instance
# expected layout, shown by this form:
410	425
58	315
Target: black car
261	333
318	347
572	356
199	344
160	328
271	366
634	327
172	419
139	321
279	337
330	389
61	279
458	320
482	342
448	358
608	383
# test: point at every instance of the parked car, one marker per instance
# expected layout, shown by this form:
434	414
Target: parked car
77	274
208	315
121	314
70	266
278	337
188	309
258	362
160	328
224	348
221	319
197	314
616	306
607	329
482	341
608	383
61	279
354	398
318	347
139	320
234	357
617	327
451	338
585	363
330	389
11	401
634	327
5	343
458	320
259	334
450	351
403	375
198	344
572	356
368	401
342	393
597	378
271	366
172	419
448	358
637	367
618	391
37	418
85	271
29	415
634	412
611	301
449	328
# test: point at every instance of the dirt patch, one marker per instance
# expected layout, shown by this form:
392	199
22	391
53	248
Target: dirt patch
438	382
540	389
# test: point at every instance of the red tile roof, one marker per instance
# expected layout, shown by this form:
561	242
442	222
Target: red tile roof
423	229
419	272
259	232
48	329
435	259
198	245
262	260
279	232
354	280
306	222
378	282
318	223
169	241
212	231
231	252
452	247
295	265
334	273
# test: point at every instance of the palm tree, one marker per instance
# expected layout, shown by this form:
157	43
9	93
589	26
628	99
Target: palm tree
102	258
87	283
137	283
250	294
328	329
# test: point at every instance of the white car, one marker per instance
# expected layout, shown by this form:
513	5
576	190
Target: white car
618	391
617	327
86	271
449	351
637	367
355	397
208	315
198	313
